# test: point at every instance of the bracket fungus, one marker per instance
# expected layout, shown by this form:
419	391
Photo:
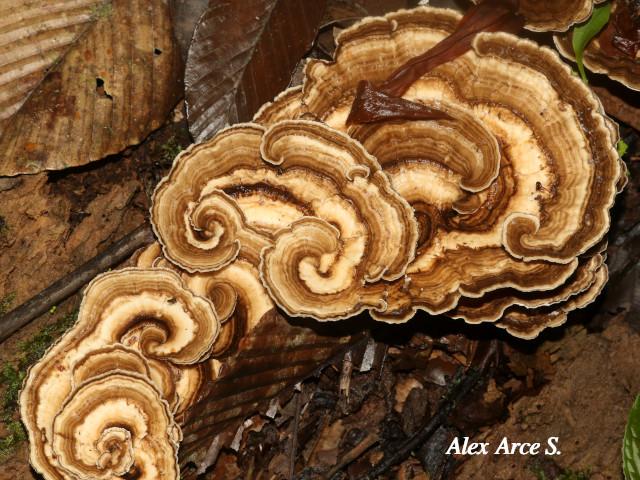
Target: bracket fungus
257	353
556	15
546	188
518	157
100	403
301	201
482	193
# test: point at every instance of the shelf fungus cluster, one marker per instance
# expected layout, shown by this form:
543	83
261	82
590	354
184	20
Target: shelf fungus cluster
479	190
102	401
510	183
550	16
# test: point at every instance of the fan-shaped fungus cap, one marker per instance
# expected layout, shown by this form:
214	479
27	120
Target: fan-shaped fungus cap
299	184
136	329
528	324
556	15
496	305
558	167
235	290
286	106
114	425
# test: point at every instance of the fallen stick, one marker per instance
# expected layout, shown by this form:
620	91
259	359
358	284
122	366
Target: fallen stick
74	281
462	385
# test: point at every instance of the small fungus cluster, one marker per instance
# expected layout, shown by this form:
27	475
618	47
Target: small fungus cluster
490	207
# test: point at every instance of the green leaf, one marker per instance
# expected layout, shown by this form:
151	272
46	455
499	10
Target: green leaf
631	444
583	34
622	147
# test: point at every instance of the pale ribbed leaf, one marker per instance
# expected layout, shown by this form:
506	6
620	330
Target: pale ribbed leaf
81	79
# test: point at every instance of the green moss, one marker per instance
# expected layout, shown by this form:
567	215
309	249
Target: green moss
10	443
6	302
11	381
12	375
33	349
102	10
622	147
170	150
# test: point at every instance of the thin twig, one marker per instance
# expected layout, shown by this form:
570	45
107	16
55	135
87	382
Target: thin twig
294	437
345	377
369	441
71	283
462	385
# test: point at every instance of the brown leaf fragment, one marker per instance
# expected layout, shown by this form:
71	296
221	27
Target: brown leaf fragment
380	7
86	80
33	38
242	54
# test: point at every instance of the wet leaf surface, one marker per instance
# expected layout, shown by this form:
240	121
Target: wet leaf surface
186	14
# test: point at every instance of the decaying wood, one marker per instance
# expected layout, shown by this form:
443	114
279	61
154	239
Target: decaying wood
620	103
274	356
102	82
70	284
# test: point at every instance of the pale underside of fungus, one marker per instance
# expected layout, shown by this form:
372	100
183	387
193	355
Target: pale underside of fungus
494	209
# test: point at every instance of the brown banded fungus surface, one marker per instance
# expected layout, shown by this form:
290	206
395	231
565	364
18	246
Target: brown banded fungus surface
301	201
101	403
510	193
551	15
255	356
615	51
490	205
235	290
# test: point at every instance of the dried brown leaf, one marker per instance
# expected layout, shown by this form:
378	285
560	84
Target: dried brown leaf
242	55
86	79
186	14
380	7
